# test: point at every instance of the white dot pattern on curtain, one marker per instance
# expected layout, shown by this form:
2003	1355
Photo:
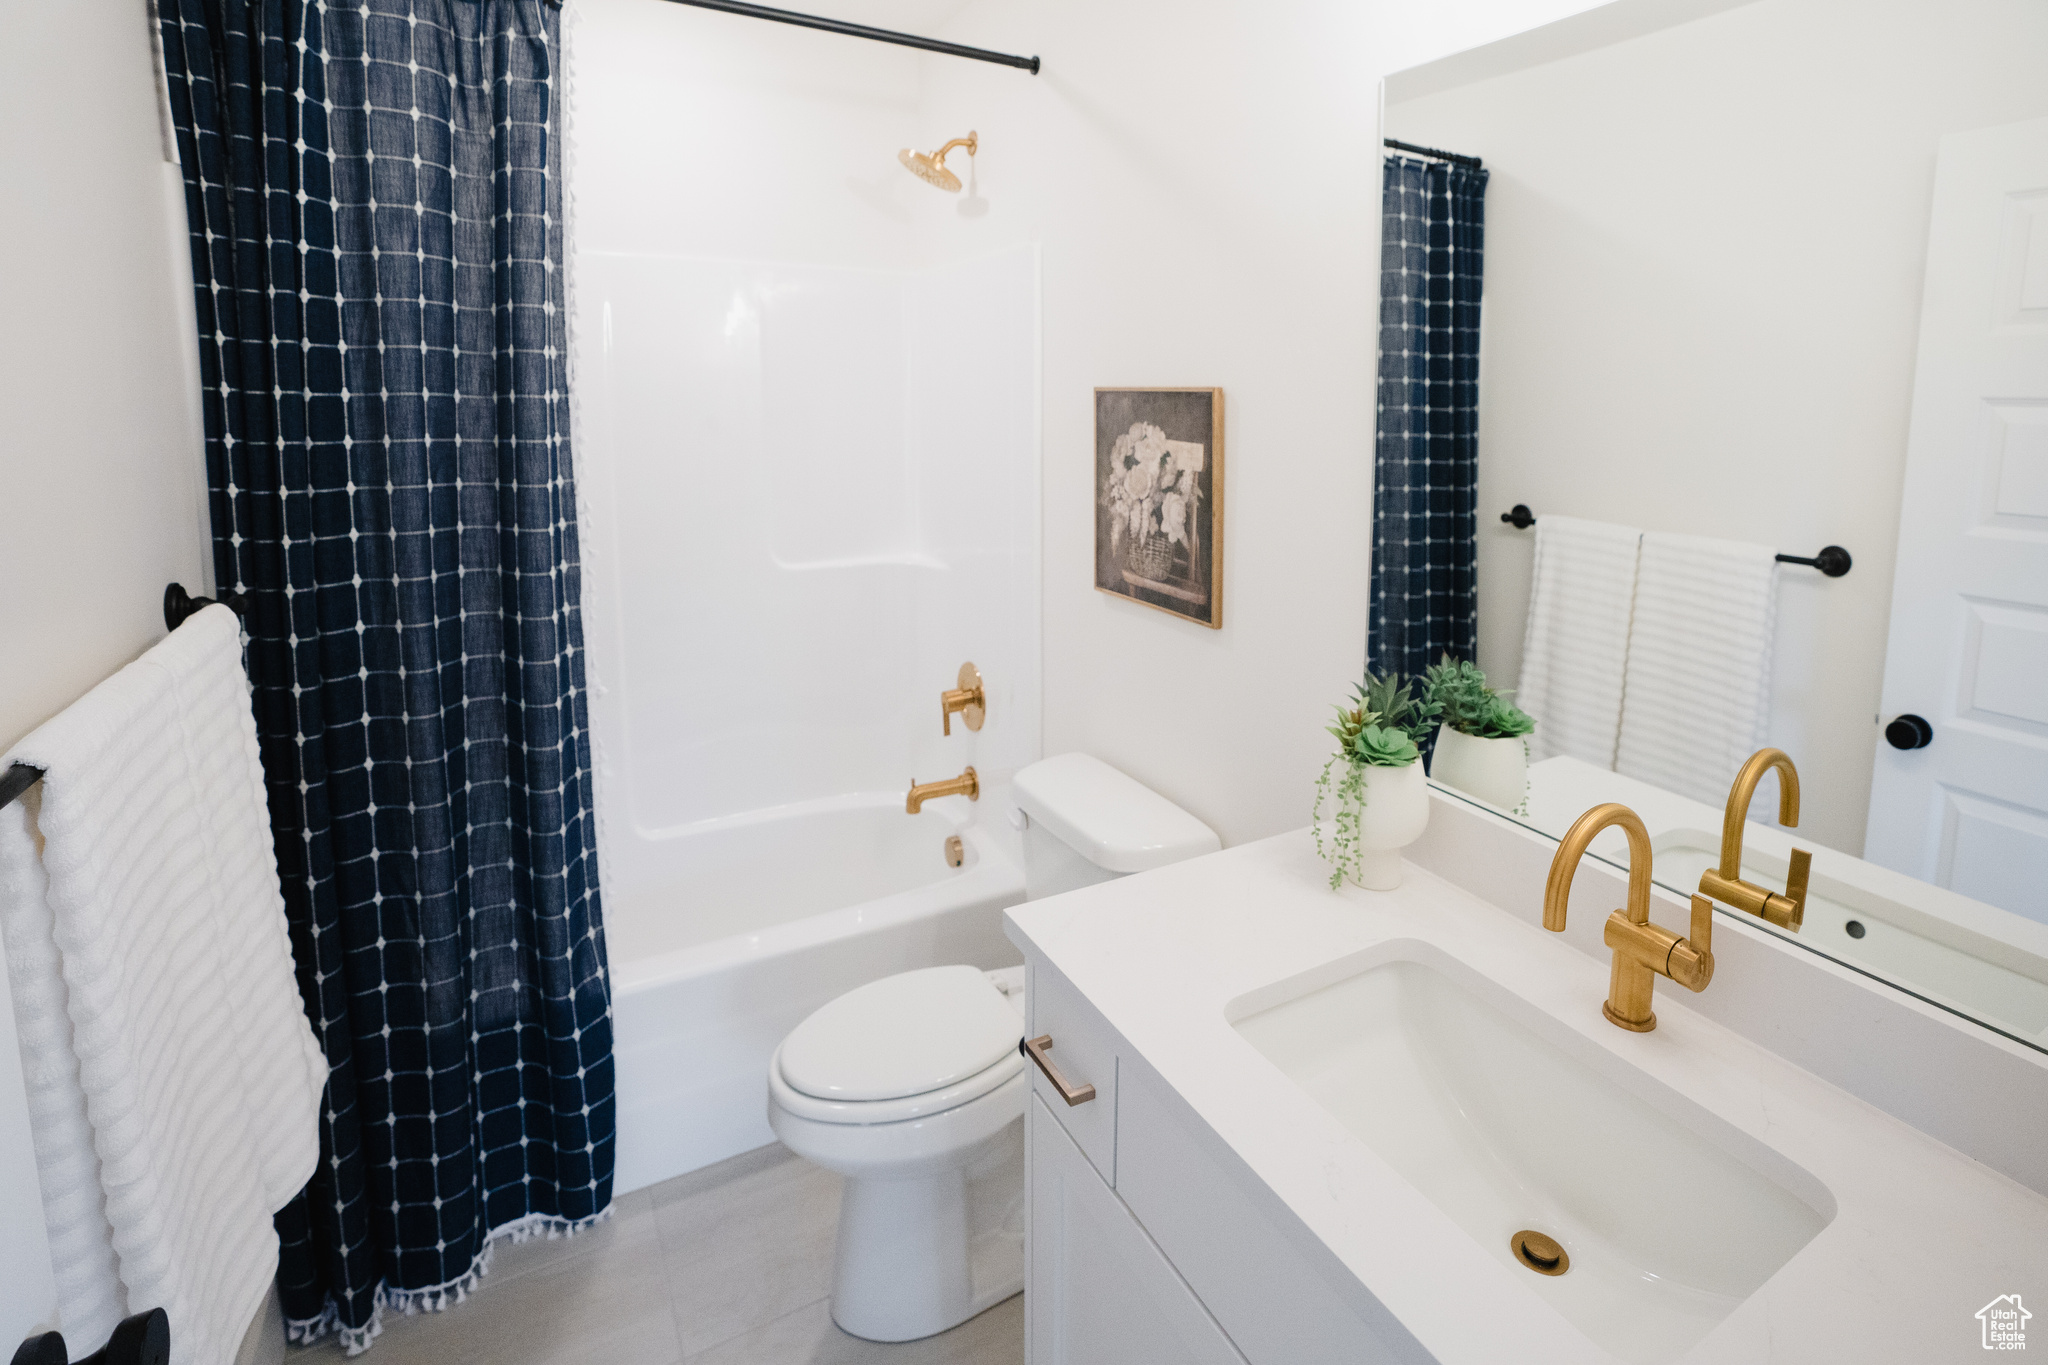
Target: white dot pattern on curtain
376	211
1424	598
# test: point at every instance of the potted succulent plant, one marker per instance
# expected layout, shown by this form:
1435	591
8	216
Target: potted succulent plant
1374	784
1483	747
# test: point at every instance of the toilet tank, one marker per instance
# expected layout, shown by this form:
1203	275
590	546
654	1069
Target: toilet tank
1085	822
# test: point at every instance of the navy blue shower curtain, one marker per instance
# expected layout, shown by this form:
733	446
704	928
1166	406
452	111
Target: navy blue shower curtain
1426	461
375	202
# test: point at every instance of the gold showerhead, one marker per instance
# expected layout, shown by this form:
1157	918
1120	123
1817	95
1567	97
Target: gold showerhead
930	167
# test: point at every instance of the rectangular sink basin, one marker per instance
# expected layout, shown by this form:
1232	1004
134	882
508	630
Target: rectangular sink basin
1507	1121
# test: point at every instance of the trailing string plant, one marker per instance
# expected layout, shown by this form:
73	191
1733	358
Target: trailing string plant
1382	728
1458	689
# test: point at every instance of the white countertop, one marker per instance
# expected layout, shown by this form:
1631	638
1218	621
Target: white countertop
1921	1239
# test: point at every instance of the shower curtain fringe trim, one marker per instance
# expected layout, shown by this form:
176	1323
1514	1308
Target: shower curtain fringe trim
439	1297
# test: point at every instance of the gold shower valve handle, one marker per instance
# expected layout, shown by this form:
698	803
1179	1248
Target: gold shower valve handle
968	699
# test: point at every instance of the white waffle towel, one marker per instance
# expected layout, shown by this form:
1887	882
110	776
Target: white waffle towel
1575	646
174	1083
1698	699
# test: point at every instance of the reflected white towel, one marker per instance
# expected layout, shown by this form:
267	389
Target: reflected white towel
1575	646
174	1081
1699	663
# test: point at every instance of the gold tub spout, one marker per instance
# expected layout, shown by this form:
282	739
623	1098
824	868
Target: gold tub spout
967	785
1642	951
1725	883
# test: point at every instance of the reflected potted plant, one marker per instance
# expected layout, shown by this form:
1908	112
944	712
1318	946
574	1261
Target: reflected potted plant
1373	785
1483	746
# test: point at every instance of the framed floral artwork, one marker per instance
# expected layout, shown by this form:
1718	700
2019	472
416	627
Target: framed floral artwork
1159	499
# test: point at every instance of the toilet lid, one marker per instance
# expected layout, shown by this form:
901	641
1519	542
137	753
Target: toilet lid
902	1035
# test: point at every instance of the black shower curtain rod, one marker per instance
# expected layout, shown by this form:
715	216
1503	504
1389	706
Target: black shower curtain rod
880	35
1471	161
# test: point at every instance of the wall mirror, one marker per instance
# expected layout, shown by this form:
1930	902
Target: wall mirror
1760	278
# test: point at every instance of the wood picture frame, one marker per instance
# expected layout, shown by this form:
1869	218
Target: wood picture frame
1158	492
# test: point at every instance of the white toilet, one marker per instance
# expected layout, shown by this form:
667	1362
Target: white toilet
913	1087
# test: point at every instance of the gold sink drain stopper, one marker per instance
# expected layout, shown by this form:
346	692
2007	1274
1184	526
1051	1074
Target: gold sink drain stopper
1540	1253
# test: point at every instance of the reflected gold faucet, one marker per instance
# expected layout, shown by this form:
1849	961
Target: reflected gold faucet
967	785
1725	883
1642	951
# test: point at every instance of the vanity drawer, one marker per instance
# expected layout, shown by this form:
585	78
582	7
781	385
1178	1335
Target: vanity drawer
1083	1051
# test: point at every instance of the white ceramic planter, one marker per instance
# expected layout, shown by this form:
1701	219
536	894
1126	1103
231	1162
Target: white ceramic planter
1396	813
1494	770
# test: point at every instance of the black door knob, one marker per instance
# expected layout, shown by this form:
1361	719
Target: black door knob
1909	732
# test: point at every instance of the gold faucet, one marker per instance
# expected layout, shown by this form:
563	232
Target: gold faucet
1642	951
1725	884
967	785
968	699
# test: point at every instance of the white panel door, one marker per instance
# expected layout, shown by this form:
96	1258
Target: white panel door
1969	631
1099	1291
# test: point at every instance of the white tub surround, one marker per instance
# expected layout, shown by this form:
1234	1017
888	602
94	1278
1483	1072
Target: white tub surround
1293	1232
813	494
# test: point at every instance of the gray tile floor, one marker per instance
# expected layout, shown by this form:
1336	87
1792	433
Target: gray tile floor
730	1265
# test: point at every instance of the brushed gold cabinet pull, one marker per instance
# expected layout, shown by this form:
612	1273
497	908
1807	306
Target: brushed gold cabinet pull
1035	1049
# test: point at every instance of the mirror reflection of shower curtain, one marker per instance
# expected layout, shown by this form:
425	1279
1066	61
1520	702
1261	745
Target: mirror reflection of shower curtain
1424	602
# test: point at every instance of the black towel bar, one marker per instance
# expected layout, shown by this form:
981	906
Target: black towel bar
1833	560
179	607
17	780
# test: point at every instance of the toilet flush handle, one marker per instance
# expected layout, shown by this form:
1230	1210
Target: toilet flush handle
1035	1049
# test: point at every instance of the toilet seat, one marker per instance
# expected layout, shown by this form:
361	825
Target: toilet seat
790	1100
903	1035
905	1047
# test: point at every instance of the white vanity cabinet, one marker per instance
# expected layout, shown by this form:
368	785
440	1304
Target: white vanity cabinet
1148	1243
1098	1292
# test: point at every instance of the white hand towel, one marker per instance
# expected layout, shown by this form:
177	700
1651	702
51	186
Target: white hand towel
175	1098
1698	699
1575	646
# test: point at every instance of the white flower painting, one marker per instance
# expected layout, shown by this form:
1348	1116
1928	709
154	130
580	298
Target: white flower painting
1159	477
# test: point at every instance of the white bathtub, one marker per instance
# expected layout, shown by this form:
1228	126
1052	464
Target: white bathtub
758	920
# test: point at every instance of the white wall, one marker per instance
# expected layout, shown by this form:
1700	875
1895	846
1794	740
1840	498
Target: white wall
101	474
1204	178
1703	267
